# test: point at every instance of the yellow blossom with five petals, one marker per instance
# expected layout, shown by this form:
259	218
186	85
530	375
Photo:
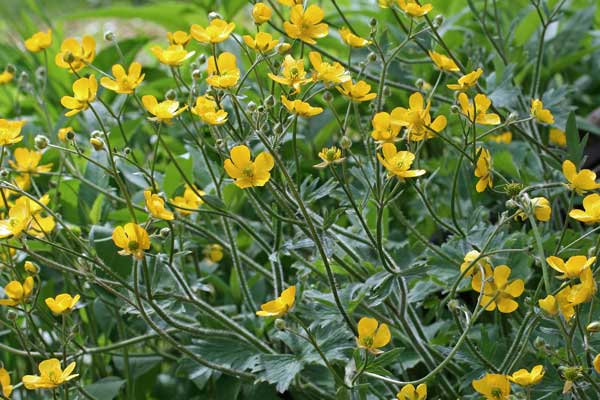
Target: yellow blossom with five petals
372	335
207	109
526	378
498	292
292	73
164	111
81	54
582	181
414	9
245	172
174	55
84	93
280	306
306	24
262	42
223	73
409	392
540	113
217	31
179	38
477	110
156	206
17	292
417	119
328	73
300	107
443	62
398	163
466	81
124	82
353	40
591	210
10	132
572	268
62	304
357	92
51	375
132	239
493	387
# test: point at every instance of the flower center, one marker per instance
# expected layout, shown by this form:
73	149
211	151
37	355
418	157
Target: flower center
133	245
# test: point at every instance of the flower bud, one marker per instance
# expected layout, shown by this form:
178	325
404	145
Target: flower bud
96	134
251	106
31	268
571	373
372	57
283	48
171	95
127	151
11	315
4	173
11	69
196	74
438	21
453	305
214	15
23	77
269	101
277	129
513	189
539	343
97	143
40	73
419	83
202	59
454	109
327	96
593	327
109	36
165	232
280	324
41	142
387	91
345	142
373	22
68	57
512	117
260	109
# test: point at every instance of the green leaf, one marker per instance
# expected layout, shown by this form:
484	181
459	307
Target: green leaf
96	211
106	388
278	369
574	145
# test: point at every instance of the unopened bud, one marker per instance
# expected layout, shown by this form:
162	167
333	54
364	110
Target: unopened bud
11	69
453	305
214	15
40	73
571	373
127	151
280	324
345	142
165	232
269	101
202	59
454	109
171	95
372	57
11	315
278	129
196	74
260	109
97	143
283	48
4	173
109	36
251	106
31	268
593	327
373	22
512	117
438	21
419	83
41	142
539	343
513	189
327	96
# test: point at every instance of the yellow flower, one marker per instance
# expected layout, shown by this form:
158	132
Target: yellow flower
477	112
245	172
306	24
206	108
414	9
483	170
597	363
191	200
493	387
163	111
6	77
65	134
591	210
408	392
80	54
41	226
217	31
10	132
292	73
499	292
525	378
504	137
19	217
372	335
17	293
358	92
582	181
475	268
5	385
27	162
353	40
417	119
331	155
156	206
84	93
328	73
300	107
290	3
398	163
557	137
261	13
443	62
583	291
541	209
280	306
224	73
31	267
262	42
572	268
174	55
124	82
51	375
466	81
132	239
62	304
214	252
386	127
39	41
549	304
540	113
179	38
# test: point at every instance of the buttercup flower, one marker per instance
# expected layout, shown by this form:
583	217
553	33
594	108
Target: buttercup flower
179	38
582	181
84	93
525	378
27	163
6	77
80	54
164	111
17	292
398	163
443	62
557	137
499	292
245	172
540	113
39	41
591	210
174	55
224	73
477	111
124	82
417	119
353	40
261	13
597	363
214	252
584	290
541	209
132	239
549	304
191	200
19	217
206	108
217	31
262	42
306	24
409	392
372	335
357	92
504	137
466	81
571	269
156	206
51	375
483	170
414	9
331	155
386	127
475	268
5	385
292	73
10	132
62	304
493	387
300	107
280	306
329	74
